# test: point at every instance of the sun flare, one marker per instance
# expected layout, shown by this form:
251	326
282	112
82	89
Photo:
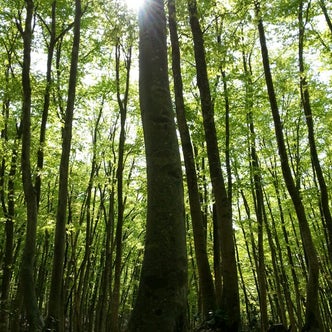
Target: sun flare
134	4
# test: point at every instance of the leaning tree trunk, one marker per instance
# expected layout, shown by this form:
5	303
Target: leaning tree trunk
55	317
161	300
230	304
306	104
326	14
312	314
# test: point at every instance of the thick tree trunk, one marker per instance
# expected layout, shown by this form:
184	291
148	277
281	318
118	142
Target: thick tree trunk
161	300
208	298
312	316
55	317
230	305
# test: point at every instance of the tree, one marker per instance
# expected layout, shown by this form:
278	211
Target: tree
306	105
326	14
207	291
161	298
56	309
312	318
123	104
27	275
229	305
8	186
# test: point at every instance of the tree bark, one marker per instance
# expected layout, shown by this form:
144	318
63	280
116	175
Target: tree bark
312	315
161	300
229	305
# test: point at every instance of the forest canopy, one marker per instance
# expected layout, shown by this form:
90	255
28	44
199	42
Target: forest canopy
247	85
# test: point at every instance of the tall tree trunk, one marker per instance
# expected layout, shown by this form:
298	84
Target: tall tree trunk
280	279
161	300
46	106
9	212
230	305
257	192
291	262
122	103
206	286
7	201
227	136
312	316
305	98
109	230
27	273
55	317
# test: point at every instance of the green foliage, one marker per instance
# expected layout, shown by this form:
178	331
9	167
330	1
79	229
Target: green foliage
231	45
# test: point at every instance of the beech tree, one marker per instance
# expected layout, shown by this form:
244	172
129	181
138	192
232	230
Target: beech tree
161	298
205	278
28	258
56	303
312	319
229	303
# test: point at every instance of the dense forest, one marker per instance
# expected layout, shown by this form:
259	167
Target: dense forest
166	165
